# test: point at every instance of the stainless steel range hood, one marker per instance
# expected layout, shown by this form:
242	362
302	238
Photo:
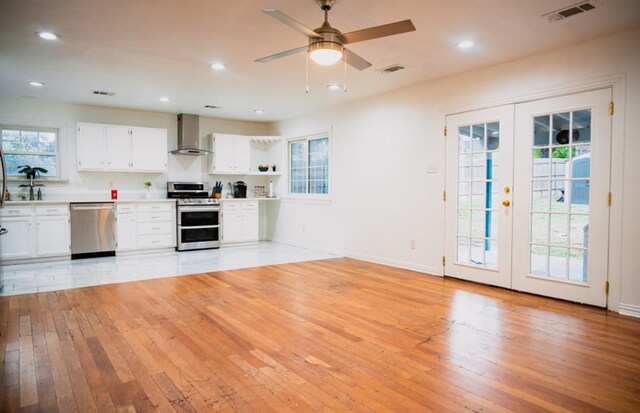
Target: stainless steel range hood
188	136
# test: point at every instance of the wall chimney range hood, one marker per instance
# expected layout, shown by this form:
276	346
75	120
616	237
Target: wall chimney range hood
189	136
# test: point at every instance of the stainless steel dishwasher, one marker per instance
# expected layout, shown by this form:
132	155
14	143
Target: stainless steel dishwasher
93	229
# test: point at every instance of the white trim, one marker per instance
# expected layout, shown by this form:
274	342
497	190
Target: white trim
282	241
397	264
629	309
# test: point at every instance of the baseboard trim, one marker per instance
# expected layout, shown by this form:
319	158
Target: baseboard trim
629	309
398	264
308	247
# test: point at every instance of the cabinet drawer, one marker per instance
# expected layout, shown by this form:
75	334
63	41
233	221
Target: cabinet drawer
126	207
151	207
150	228
43	210
231	206
249	205
15	211
156	241
155	216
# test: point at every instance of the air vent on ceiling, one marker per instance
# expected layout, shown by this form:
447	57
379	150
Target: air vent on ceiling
570	11
212	107
103	93
391	69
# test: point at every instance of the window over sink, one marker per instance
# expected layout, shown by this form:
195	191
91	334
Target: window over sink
309	166
30	146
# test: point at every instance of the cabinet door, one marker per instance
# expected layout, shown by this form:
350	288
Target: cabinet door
250	225
118	148
242	154
150	151
18	242
232	226
52	236
223	147
126	232
91	147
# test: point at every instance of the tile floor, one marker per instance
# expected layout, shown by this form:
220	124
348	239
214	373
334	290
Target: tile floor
59	275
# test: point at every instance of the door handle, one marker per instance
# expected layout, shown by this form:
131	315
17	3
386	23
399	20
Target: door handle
506	203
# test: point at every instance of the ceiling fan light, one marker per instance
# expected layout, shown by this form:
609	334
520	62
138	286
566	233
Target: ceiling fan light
326	53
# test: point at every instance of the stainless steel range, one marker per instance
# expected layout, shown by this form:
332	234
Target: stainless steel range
199	218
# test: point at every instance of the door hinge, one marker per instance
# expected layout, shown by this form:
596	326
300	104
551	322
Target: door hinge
609	199
611	107
445	131
444	196
606	287
444	260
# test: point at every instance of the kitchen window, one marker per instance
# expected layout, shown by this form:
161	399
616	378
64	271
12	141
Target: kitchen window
30	146
309	166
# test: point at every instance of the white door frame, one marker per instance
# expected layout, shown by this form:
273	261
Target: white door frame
618	85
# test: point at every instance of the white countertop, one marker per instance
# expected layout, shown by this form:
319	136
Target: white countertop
61	201
247	199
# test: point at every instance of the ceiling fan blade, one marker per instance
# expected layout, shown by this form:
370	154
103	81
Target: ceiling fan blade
379	31
282	54
355	60
294	24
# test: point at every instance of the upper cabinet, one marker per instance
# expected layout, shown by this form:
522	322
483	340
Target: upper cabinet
121	148
232	154
241	155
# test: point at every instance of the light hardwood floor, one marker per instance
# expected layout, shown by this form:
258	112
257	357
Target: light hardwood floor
332	335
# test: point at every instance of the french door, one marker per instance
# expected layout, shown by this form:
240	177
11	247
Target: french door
539	222
478	189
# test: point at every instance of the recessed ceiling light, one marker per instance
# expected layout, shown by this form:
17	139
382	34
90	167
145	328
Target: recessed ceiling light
217	66
258	111
36	84
48	36
334	86
164	99
465	44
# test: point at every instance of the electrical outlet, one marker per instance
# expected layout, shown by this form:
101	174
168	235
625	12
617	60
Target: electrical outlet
412	244
432	169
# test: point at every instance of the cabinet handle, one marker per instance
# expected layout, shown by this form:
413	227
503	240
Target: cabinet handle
51	210
155	229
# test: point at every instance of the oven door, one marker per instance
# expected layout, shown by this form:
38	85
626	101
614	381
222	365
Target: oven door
198	216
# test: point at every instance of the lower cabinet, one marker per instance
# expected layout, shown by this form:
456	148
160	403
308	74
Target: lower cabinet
18	242
240	221
35	232
147	225
52	235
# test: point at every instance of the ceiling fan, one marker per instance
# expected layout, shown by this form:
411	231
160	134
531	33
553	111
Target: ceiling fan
326	43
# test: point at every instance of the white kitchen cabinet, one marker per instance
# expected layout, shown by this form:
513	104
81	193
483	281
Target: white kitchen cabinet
53	231
118	139
240	222
121	148
52	236
18	242
149	149
126	232
91	138
232	154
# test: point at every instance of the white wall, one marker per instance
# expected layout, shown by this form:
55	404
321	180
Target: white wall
382	196
25	111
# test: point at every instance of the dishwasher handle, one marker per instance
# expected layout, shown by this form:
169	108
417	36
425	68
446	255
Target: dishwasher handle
89	208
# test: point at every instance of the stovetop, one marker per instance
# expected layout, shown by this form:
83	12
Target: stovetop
198	201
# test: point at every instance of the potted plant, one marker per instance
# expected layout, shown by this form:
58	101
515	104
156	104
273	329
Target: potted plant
31	172
148	186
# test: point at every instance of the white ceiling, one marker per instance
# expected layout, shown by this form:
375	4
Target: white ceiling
145	49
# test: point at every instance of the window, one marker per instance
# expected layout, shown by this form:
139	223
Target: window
30	146
309	166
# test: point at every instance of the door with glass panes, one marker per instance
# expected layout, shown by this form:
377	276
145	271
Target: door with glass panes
561	187
479	151
527	189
